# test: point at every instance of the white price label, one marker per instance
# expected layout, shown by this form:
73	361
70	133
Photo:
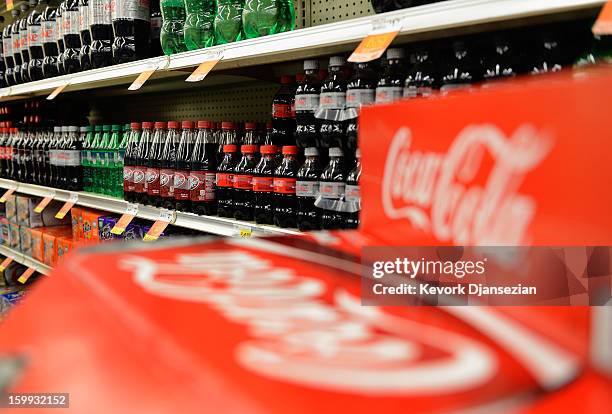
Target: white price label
169	216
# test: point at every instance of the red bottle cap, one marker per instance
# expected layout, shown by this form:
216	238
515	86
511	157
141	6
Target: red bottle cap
160	125
290	149
250	125
268	149
287	80
187	125
230	148
135	125
173	125
204	124
248	149
147	125
227	125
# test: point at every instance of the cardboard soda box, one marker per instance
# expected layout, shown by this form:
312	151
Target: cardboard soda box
76	217
105	225
50	236
38	248
64	245
14	242
25	240
11	208
91	232
4	231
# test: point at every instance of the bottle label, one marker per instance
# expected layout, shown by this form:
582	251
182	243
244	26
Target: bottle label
331	190
100	12
7	47
414	91
35	35
307	102
71	158
48	31
307	189
128	179
332	100
355	98
454	86
181	185
166	183
16	44
388	94
281	111
225	180
71	22
284	185
84	17
139	178
243	182
156	24
202	186
152	178
59	29
352	193
130	9
263	184
23	40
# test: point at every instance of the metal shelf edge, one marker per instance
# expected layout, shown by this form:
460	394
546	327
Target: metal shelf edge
25	260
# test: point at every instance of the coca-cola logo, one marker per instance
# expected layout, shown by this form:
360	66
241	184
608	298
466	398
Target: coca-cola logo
194	182
151	176
128	174
139	176
179	180
164	179
444	194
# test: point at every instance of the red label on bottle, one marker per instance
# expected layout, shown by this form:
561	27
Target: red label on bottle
1	153
284	185
139	179
166	183
243	182
202	186
263	184
152	178
181	185
225	180
128	179
8	153
281	111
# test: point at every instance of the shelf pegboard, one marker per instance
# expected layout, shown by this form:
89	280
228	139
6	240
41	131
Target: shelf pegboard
329	11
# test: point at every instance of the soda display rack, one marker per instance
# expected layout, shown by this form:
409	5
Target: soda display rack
309	42
25	260
209	224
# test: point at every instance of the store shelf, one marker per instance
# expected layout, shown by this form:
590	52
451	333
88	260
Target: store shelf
208	224
25	260
310	42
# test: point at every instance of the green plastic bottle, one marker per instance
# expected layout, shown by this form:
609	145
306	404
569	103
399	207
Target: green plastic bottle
94	160
172	35
85	158
199	24
104	161
266	17
286	21
114	161
228	21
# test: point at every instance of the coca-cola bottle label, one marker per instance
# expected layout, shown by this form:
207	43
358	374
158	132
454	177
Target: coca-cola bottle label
84	17
355	98
202	186
332	190
152	177
307	102
284	185
130	9
139	179
388	94
128	179
100	12
71	158
7	47
263	184
332	100
224	180
243	182
166	183
181	185
307	188
352	193
48	31
281	111
71	22
34	34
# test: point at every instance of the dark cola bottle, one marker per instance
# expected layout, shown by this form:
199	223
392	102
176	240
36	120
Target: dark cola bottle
360	91
183	168
307	191
59	36
203	171
132	29
283	113
352	195
16	38
168	165
332	185
26	156
72	37
263	185
142	159
101	30
422	77
49	42
306	104
462	70
244	199
129	162
390	86
84	18
154	160
332	101
35	36
227	136
7	52
72	159
24	42
285	176
224	181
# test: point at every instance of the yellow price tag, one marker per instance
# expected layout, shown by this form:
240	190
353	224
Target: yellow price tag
43	203
374	45
5	263
7	194
210	61
125	220
141	79
26	275
57	91
67	206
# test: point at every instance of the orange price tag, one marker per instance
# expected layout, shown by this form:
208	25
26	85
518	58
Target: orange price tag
67	206
165	218
9	5
125	220
43	203
26	275
210	61
5	263
603	24
374	45
57	91
141	79
7	194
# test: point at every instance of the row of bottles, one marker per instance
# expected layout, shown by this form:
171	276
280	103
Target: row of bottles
46	40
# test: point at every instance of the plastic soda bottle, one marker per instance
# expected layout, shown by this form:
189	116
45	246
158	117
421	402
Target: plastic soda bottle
261	18
104	161
115	163
228	21
172	35
86	157
93	159
199	25
286	21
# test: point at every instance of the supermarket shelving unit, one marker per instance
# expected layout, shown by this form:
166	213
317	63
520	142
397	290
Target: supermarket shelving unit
25	260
